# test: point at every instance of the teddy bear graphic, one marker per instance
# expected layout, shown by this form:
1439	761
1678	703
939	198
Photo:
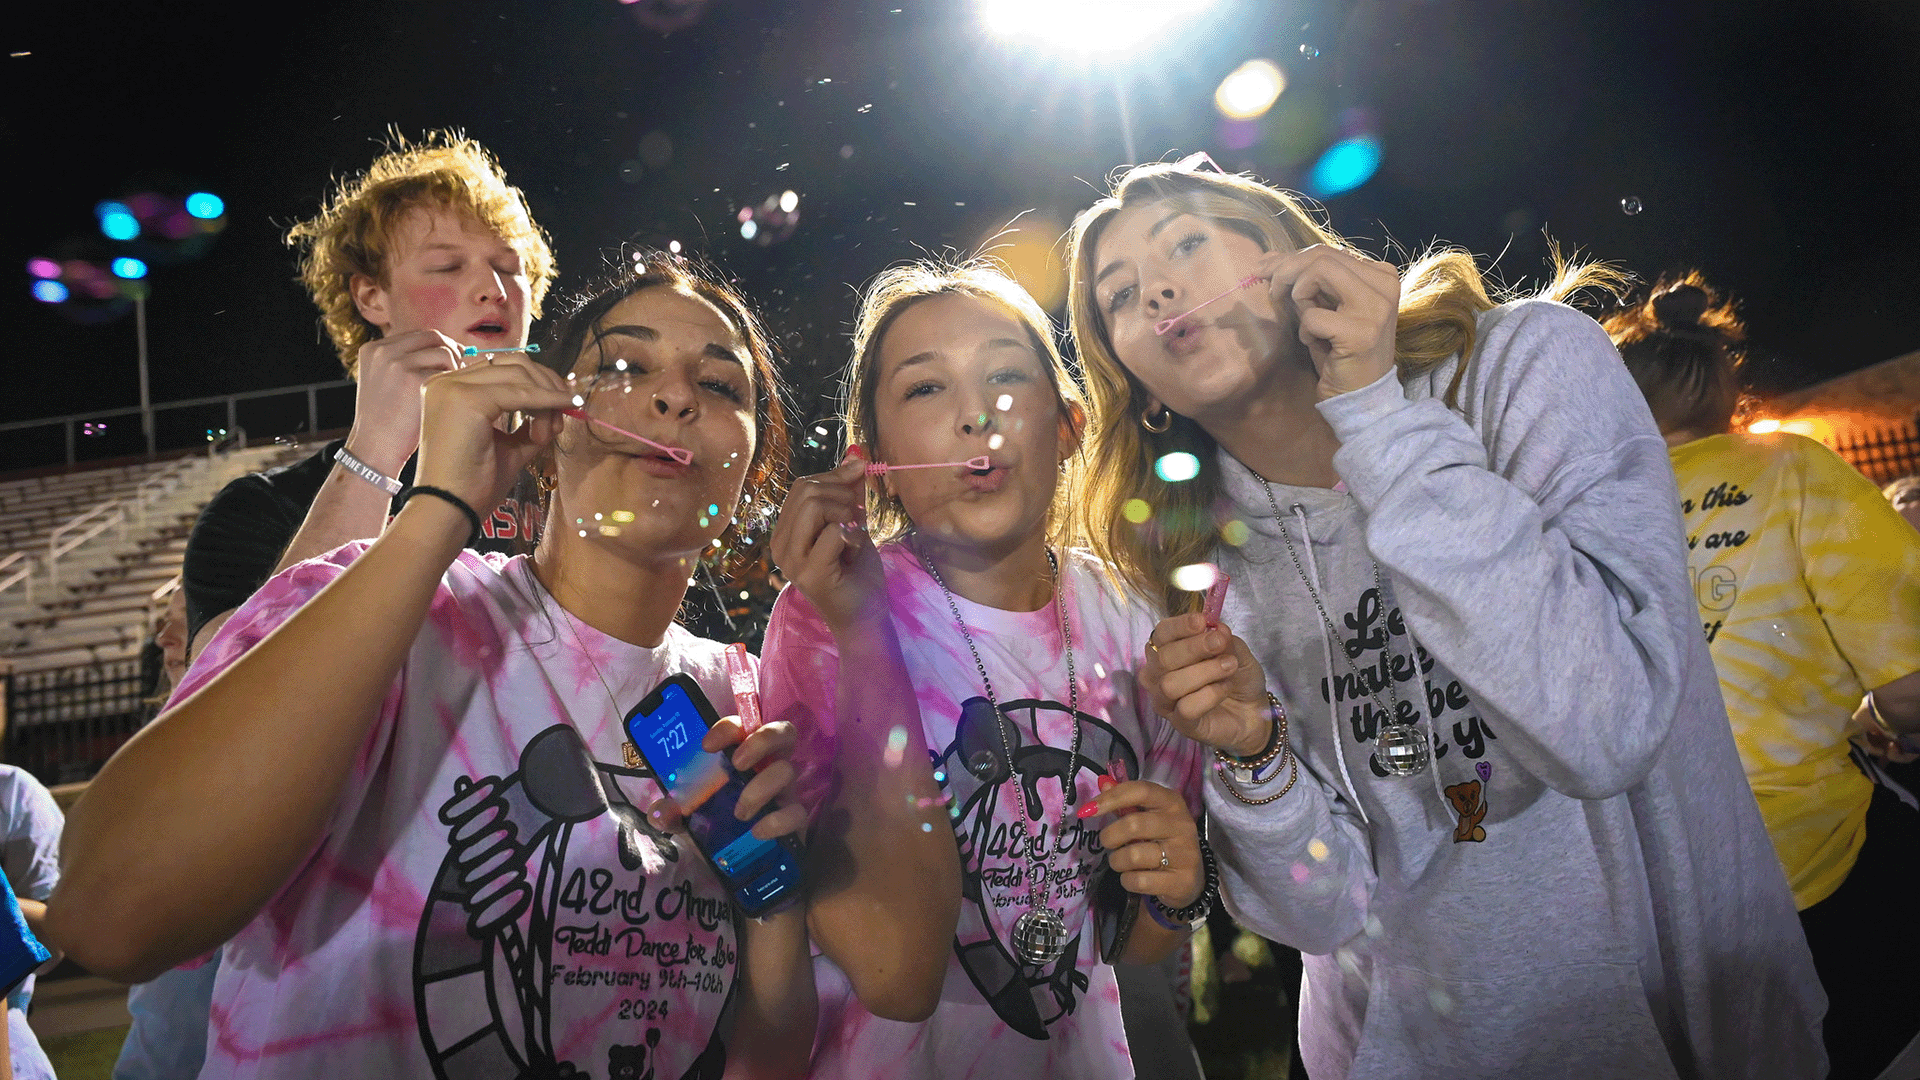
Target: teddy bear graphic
1467	803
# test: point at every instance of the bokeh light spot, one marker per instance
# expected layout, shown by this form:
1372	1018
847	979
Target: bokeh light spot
1195	577
1136	511
131	269
49	292
1250	90
1235	532
43	268
1177	466
1003	402
1346	165
119	225
205	205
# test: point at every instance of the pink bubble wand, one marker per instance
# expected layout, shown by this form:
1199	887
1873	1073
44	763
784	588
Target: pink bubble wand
881	468
1166	326
679	454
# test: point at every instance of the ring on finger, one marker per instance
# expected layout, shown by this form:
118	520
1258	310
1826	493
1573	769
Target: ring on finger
1165	863
1151	645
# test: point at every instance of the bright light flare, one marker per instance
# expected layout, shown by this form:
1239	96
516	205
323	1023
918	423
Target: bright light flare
1764	427
1195	577
1250	90
1087	25
49	292
130	269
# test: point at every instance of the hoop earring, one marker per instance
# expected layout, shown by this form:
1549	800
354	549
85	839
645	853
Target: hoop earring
545	483
1166	420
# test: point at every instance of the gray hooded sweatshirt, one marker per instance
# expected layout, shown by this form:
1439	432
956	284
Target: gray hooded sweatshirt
1580	884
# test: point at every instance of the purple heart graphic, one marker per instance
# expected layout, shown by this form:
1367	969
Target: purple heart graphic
1485	769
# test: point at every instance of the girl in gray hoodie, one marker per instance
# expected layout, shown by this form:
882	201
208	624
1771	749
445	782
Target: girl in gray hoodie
1472	758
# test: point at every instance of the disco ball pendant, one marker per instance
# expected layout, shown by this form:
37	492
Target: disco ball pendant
1039	937
1401	750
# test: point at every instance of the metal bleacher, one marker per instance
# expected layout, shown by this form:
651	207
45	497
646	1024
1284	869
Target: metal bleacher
84	555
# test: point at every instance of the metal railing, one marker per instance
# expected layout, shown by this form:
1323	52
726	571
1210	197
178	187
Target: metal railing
83	527
64	723
22	576
70	423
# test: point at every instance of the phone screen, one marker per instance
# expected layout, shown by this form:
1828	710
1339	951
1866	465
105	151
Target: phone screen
667	729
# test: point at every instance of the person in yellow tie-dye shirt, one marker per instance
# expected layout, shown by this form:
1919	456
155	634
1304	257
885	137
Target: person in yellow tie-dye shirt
1809	592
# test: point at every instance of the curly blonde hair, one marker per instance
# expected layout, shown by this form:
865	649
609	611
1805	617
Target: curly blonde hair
1442	294
353	232
899	288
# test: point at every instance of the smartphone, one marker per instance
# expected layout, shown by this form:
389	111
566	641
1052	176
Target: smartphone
666	728
1216	599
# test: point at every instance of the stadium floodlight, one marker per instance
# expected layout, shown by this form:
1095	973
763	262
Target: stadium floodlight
1090	26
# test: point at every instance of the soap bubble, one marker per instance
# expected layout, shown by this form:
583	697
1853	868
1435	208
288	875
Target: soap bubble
1309	51
1631	205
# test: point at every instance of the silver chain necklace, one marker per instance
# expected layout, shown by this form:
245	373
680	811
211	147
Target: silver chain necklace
1040	933
1398	749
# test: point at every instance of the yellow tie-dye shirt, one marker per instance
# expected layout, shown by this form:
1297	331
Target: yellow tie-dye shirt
1809	591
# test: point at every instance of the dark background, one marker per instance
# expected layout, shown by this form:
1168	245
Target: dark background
1772	145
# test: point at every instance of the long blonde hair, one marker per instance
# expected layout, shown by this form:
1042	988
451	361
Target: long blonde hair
900	287
1442	294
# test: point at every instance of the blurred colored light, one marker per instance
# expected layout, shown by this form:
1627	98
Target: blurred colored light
1250	90
124	267
1346	165
43	268
1764	427
1195	577
788	200
101	210
1816	428
1136	511
1177	466
749	230
1086	25
119	225
205	205
49	292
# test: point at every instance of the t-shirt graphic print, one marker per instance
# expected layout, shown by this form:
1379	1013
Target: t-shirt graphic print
1007	790
488	899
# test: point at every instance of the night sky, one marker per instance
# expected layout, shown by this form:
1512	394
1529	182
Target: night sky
1772	144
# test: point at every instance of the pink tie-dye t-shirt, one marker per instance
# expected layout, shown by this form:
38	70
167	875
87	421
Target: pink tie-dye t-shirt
995	1021
489	899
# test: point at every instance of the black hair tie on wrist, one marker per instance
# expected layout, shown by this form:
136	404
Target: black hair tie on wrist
446	496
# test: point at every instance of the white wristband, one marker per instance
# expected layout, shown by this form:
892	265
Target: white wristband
367	472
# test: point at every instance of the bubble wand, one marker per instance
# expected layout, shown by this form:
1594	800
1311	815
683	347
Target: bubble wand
1166	326
679	454
881	468
475	350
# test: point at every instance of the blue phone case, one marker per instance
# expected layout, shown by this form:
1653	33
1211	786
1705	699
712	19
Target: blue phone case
761	875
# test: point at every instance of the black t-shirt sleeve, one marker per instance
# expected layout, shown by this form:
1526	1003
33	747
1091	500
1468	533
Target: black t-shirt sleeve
234	546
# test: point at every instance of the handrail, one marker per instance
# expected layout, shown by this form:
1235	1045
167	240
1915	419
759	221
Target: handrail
183	403
169	477
25	573
112	513
70	422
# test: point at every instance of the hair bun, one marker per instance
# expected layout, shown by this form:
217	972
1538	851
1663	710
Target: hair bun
1681	307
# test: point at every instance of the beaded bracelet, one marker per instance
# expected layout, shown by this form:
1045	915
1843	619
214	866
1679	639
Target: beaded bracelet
1276	741
1182	919
1278	746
